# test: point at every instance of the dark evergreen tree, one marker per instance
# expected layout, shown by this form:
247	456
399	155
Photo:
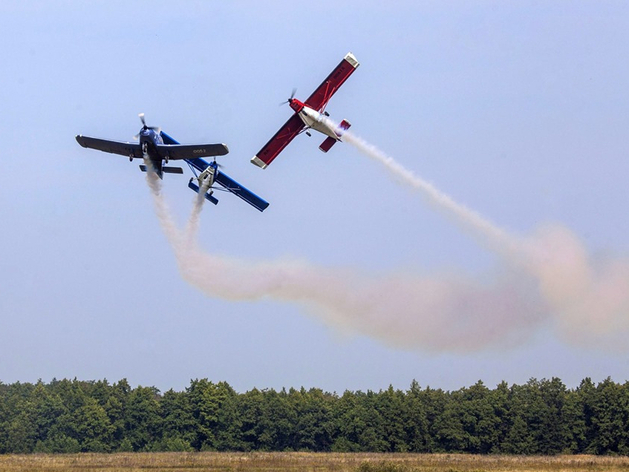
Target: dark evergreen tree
178	425
393	409
214	407
539	417
251	420
610	412
142	418
314	428
417	422
91	427
555	435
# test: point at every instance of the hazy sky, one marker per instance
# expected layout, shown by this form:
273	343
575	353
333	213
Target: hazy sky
517	110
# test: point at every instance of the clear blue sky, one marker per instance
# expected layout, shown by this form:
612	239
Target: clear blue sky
518	110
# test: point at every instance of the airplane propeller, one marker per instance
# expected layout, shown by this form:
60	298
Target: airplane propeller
154	128
292	95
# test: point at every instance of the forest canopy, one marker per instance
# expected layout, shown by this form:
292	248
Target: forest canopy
539	417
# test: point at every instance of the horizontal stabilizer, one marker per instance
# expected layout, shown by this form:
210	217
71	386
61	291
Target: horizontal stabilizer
167	170
208	197
345	124
327	144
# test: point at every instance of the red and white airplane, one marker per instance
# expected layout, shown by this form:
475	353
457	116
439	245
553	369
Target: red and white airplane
310	115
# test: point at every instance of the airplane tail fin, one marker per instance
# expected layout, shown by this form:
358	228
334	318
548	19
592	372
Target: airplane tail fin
208	197
329	142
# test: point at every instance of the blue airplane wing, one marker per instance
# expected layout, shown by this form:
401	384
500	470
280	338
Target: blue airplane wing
230	184
222	179
237	189
198	164
167	139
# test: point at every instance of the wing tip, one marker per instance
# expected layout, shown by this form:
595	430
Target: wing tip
349	57
80	140
258	162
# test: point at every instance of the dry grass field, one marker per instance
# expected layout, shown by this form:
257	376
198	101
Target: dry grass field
309	462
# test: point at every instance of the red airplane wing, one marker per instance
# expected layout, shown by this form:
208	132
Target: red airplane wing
319	99
279	141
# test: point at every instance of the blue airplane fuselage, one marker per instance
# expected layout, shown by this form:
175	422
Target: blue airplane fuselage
149	139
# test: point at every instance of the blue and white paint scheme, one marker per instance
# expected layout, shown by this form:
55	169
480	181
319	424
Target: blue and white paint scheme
210	174
156	149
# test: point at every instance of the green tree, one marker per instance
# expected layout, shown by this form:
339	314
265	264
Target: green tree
481	424
278	419
142	418
19	431
501	406
450	436
49	408
214	407
416	422
610	412
359	424
393	409
523	425
555	434
251	417
178	425
115	407
58	443
313	428
91	427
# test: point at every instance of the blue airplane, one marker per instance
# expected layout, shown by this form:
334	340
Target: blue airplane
157	148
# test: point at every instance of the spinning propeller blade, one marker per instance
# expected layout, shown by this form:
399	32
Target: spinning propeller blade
292	95
154	128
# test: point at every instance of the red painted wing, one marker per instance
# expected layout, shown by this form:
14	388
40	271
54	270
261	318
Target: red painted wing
320	98
279	141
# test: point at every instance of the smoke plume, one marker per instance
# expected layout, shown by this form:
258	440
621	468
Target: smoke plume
546	278
586	299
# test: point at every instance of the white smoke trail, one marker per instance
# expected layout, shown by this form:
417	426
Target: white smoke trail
588	300
545	277
589	297
486	232
444	312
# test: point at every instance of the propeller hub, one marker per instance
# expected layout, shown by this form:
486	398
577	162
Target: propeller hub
145	127
290	99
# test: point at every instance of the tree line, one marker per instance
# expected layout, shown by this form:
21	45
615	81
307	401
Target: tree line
539	417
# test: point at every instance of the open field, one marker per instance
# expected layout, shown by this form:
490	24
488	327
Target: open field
319	462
